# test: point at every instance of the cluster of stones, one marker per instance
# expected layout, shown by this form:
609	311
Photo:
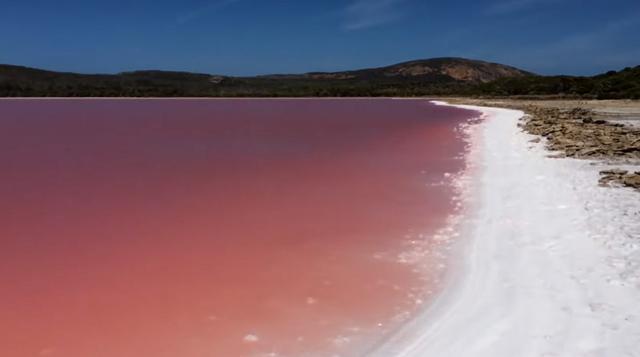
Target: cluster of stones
620	177
577	133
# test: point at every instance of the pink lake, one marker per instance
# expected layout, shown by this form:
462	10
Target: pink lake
192	228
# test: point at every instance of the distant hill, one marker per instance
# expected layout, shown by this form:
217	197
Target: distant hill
438	76
29	82
411	78
435	69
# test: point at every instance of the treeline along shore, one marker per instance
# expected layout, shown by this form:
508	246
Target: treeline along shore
439	76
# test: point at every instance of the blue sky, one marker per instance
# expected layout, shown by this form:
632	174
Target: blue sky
245	37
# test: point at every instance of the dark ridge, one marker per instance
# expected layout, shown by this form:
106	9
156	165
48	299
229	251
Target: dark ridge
436	76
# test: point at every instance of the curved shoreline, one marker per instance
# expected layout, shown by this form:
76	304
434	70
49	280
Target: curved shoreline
408	340
549	263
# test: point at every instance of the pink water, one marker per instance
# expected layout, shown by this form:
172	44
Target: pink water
164	228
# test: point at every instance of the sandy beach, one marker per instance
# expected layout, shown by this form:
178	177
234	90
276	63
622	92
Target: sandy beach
549	264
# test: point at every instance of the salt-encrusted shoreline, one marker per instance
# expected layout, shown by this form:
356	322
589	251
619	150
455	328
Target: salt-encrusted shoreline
550	265
606	131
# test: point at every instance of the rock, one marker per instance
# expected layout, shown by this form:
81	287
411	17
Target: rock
588	152
576	133
618	172
631	180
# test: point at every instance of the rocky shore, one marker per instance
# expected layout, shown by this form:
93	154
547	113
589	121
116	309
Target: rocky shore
585	130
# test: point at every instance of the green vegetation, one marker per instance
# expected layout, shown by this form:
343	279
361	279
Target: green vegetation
624	84
445	76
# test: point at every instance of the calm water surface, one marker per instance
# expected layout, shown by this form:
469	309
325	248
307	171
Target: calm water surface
192	228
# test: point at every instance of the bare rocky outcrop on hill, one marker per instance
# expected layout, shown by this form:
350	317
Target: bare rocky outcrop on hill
446	68
461	69
465	71
338	76
458	69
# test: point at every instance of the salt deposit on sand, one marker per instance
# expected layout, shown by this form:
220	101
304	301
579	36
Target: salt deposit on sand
551	264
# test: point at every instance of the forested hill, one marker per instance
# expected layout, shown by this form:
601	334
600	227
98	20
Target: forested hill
439	76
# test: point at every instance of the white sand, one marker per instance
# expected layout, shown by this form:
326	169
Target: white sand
552	264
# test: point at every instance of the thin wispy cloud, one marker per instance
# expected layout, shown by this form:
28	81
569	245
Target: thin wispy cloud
595	39
597	49
365	14
194	14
